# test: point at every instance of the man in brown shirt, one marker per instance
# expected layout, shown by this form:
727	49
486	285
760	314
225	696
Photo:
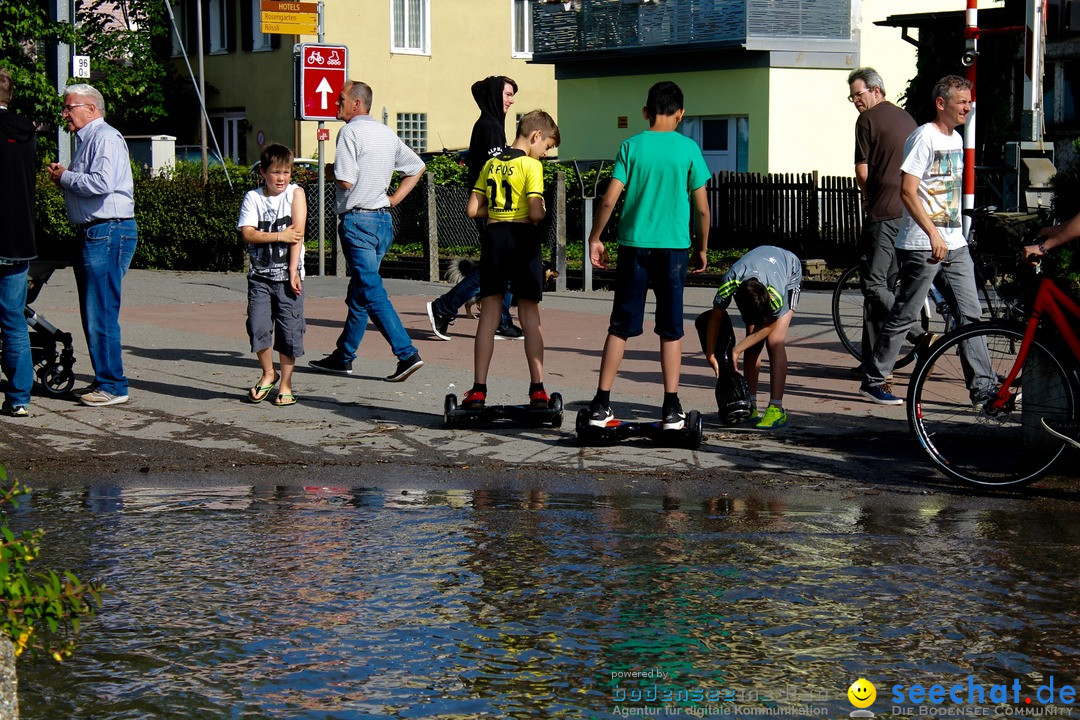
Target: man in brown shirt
880	133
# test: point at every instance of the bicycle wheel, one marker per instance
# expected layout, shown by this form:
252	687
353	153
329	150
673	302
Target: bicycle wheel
847	311
847	314
977	445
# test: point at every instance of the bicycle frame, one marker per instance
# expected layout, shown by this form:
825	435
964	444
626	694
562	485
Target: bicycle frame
1054	303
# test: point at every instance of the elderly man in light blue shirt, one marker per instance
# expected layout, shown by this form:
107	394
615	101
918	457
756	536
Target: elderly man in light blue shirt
98	190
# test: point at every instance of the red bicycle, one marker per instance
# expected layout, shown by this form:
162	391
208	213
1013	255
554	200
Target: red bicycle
1013	436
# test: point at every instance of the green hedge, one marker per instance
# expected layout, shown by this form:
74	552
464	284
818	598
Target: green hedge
184	224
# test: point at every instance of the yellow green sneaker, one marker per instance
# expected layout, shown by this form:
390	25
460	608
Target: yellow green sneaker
774	417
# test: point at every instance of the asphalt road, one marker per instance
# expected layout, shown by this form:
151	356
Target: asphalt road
188	421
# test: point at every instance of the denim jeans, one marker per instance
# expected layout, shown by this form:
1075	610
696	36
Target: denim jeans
16	360
365	239
957	282
451	301
102	259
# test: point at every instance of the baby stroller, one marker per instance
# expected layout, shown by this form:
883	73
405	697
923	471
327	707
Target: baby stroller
50	347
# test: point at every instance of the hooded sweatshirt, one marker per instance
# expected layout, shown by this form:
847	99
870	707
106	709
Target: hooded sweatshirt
489	133
17	143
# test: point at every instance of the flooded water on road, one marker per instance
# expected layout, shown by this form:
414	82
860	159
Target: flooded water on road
262	602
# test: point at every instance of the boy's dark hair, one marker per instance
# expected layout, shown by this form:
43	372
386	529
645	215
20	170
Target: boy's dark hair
665	98
752	299
538	120
510	82
275	154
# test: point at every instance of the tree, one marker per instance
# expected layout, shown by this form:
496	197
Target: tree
128	42
25	33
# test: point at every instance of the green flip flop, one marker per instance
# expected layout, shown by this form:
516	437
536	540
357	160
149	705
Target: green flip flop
258	393
284	399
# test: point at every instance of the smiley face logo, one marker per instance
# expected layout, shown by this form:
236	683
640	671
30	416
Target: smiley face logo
862	693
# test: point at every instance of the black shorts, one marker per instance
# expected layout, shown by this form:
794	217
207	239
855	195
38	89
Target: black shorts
510	257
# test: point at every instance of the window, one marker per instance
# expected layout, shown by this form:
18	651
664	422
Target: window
521	30
724	141
231	128
180	15
260	41
220	27
409	21
412	129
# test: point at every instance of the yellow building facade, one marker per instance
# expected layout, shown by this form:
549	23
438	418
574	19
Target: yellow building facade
419	56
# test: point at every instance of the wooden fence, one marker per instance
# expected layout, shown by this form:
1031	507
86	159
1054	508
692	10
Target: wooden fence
811	215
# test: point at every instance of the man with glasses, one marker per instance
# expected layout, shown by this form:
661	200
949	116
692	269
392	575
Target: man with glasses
880	132
98	191
366	156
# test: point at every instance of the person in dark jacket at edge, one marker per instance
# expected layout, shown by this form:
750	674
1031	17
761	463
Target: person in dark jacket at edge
494	95
17	249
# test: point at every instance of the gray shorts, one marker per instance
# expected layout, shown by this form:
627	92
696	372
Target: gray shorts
275	316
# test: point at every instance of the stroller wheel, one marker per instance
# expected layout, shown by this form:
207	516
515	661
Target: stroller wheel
55	380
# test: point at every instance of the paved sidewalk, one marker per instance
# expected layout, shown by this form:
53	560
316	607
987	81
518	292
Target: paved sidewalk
187	357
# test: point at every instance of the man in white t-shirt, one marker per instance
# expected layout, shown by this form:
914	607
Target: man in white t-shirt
931	243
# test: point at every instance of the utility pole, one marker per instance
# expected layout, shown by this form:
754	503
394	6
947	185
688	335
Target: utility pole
202	90
62	11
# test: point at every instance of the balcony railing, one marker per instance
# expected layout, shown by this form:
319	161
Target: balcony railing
601	26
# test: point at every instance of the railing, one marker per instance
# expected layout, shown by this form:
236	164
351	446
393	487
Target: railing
591	26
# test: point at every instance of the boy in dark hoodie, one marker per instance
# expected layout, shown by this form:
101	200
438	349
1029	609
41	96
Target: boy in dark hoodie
494	95
17	249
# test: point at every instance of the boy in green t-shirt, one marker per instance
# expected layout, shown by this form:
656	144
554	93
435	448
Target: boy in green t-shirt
510	194
661	170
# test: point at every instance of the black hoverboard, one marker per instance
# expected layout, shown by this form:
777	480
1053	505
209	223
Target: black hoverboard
689	436
454	416
732	394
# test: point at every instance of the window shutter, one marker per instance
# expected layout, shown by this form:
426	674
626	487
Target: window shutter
205	25
230	24
248	22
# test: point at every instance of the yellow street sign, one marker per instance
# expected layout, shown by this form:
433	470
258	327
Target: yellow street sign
289	7
296	24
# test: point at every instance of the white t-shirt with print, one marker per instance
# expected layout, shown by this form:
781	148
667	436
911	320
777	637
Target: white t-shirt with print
269	261
938	161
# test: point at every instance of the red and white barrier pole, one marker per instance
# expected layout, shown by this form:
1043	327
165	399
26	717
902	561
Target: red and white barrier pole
971	33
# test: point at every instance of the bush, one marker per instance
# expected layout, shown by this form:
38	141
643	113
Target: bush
38	610
184	224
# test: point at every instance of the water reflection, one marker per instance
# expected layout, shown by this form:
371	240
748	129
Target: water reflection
270	602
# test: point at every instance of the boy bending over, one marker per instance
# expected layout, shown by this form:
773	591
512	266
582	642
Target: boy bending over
765	285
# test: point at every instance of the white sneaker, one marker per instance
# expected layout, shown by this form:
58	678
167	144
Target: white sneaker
100	398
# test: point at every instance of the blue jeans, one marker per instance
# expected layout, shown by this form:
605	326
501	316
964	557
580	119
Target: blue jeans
16	360
102	259
451	301
365	239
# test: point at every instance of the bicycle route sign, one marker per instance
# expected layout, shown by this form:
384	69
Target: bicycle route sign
322	71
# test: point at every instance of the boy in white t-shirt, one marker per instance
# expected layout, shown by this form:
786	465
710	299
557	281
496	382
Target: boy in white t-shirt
931	243
272	222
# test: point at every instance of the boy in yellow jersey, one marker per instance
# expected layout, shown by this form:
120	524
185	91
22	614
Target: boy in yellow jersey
510	194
